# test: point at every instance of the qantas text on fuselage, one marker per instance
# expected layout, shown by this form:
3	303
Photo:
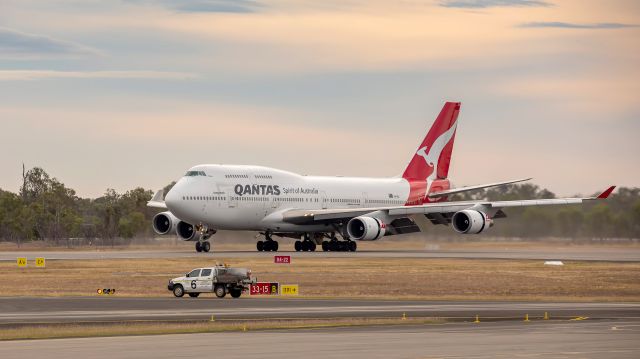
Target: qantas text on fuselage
324	209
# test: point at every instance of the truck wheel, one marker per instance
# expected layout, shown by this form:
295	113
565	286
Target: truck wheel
178	291
221	291
194	295
235	292
198	247
206	246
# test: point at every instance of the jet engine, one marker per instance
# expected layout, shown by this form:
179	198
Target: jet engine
165	223
186	231
366	228
470	221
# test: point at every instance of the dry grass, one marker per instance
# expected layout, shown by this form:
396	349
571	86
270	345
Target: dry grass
405	278
49	331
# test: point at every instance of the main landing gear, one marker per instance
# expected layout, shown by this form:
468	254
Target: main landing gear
305	245
334	245
268	245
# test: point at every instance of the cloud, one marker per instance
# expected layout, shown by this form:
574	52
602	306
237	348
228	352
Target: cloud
482	4
214	6
568	25
27	75
16	44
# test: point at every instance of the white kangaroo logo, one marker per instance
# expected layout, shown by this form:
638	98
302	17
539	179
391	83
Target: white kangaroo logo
432	157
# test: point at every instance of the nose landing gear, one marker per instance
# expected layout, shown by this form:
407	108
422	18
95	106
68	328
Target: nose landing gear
203	246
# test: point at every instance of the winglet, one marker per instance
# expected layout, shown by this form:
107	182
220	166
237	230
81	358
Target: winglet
606	193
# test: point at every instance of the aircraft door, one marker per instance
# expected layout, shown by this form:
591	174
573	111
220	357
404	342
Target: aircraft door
232	201
323	198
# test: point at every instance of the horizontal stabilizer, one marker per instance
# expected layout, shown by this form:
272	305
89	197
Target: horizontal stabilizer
157	201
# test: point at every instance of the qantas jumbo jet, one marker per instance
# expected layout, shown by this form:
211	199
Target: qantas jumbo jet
313	208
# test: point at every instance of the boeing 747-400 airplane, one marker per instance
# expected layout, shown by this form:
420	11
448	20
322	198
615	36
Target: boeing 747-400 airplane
314	208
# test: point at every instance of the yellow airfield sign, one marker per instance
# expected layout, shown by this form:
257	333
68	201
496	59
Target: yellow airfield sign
289	289
40	262
22	262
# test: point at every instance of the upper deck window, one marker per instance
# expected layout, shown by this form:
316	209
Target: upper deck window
195	173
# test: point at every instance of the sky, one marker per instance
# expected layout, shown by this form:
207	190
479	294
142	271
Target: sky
126	93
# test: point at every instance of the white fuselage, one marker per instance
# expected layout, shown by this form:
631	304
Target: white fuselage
253	198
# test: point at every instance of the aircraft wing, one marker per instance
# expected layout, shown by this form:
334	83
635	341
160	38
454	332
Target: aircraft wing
472	188
434	211
157	201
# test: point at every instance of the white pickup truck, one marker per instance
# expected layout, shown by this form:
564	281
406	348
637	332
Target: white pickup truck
219	280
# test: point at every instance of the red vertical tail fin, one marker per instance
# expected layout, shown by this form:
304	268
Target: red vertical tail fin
431	160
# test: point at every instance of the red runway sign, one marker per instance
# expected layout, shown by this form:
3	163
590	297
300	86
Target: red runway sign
282	259
264	288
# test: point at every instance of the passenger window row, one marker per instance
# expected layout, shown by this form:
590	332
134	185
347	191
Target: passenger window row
204	198
344	200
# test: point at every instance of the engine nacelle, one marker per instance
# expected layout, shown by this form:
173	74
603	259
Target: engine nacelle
366	228
470	221
186	231
165	223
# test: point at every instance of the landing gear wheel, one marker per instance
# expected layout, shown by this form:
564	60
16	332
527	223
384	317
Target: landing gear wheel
194	295
325	246
274	246
206	246
260	246
220	291
178	291
312	247
298	246
352	246
333	246
235	292
198	247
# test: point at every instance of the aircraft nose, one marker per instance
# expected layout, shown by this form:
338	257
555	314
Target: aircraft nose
171	198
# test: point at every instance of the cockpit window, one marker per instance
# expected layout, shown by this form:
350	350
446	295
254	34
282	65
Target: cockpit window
195	173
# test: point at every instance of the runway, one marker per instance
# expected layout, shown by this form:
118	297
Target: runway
565	339
21	310
586	253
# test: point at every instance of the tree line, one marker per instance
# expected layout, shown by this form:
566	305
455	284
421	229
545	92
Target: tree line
46	210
